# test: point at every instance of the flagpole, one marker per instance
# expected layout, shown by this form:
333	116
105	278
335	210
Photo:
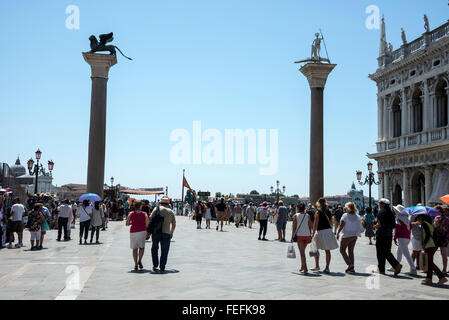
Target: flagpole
182	197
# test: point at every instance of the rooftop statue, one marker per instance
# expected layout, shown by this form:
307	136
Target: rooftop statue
96	46
404	38
426	23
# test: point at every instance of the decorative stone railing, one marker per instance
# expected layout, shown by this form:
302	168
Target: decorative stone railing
415	139
420	43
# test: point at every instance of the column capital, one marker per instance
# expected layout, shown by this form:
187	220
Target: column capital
100	63
317	73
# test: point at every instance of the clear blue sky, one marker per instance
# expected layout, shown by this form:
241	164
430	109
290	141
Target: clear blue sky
226	63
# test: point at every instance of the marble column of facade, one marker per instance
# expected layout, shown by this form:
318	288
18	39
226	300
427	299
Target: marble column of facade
386	180
428	183
380	116
433	110
385	119
404	114
406	186
380	189
426	107
447	106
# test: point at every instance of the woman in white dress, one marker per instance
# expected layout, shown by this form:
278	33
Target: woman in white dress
322	233
208	215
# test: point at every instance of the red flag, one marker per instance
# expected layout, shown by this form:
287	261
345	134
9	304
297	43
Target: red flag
186	184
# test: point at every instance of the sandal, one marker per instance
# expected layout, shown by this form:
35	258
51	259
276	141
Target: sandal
140	265
136	268
315	269
426	281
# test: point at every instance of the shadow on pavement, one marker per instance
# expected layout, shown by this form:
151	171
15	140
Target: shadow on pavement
399	277
361	274
333	274
168	271
307	274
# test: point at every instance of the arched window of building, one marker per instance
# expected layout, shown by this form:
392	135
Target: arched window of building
441	104
417	111
396	108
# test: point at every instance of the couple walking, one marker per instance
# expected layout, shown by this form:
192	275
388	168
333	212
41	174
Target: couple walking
139	222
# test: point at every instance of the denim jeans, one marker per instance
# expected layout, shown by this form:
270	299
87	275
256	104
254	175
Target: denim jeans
164	239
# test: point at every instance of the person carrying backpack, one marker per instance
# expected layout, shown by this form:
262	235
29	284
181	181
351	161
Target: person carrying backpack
162	226
430	242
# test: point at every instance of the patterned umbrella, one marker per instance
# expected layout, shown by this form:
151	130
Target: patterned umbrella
416	211
445	199
92	197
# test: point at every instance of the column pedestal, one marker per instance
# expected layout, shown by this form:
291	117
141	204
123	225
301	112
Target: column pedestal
316	74
100	65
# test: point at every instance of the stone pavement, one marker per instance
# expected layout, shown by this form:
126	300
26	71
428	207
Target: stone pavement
202	264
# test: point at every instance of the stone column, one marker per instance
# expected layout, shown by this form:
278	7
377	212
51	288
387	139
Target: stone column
316	74
100	65
426	108
380	122
386	124
387	185
406	186
428	183
447	106
404	114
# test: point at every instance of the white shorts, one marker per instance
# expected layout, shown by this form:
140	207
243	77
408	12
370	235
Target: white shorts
416	245
36	235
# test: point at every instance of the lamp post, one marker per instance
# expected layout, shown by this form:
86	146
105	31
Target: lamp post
369	179
112	188
278	191
38	168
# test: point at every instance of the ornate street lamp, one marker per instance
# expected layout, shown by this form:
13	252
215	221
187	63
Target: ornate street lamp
38	168
278	191
369	179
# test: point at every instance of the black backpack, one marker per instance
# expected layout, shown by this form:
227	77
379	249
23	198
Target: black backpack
155	226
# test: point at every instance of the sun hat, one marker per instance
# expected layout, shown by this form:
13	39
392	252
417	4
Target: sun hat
398	209
165	200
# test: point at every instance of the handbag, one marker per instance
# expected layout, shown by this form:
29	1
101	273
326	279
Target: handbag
313	251
423	261
295	238
291	254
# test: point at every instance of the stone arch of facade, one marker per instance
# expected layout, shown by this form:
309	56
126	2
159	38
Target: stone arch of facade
441	102
396	189
418	187
396	115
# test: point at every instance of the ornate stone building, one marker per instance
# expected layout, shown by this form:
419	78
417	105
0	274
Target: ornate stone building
413	133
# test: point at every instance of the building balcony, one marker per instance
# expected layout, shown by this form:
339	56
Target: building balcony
414	139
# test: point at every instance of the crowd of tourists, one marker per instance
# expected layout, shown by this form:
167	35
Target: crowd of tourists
314	226
327	230
40	213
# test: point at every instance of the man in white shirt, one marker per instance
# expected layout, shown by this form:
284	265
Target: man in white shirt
17	212
64	213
